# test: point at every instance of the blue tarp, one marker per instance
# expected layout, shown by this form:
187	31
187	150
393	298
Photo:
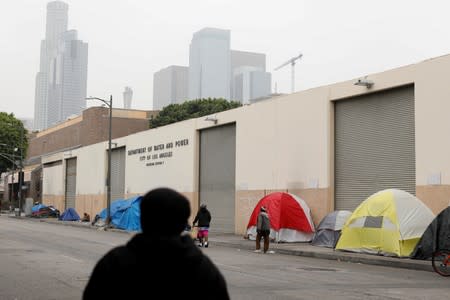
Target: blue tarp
37	207
125	214
69	214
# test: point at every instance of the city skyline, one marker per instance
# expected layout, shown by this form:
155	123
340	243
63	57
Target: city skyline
339	41
214	71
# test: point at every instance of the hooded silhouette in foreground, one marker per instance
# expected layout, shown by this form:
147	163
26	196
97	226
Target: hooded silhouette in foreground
158	261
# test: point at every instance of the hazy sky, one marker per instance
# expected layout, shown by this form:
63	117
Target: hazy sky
130	40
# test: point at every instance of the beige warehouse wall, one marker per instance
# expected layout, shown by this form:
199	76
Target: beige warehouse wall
91	204
91	169
177	169
284	144
432	125
432	106
56	201
432	132
53	180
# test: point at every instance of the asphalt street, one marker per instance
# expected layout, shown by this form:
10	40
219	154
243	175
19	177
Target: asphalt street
47	261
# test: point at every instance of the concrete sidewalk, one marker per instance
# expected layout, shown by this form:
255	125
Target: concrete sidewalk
307	250
299	249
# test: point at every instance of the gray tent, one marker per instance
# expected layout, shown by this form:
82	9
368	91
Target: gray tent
330	227
436	236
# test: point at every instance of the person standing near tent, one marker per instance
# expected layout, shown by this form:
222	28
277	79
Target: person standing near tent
203	218
158	261
262	230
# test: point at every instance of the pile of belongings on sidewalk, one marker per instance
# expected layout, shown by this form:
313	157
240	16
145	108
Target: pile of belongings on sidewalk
43	211
125	214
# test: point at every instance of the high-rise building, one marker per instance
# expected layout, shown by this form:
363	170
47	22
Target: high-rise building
251	59
170	86
209	64
67	79
57	19
127	97
250	83
62	77
249	77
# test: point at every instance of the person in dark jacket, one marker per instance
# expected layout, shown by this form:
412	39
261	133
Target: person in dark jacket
203	218
263	230
158	263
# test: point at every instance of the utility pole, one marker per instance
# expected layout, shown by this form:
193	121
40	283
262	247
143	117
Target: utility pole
108	196
12	185
21	174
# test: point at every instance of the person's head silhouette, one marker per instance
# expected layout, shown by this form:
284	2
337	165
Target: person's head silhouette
164	212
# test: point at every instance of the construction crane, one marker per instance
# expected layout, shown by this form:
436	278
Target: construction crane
292	62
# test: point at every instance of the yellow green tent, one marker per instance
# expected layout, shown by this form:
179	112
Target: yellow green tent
389	222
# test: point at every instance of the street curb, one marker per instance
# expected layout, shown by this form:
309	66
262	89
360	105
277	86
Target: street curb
403	263
71	223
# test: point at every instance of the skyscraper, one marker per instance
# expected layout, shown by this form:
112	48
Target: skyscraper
250	83
249	79
209	64
245	58
127	97
62	77
170	86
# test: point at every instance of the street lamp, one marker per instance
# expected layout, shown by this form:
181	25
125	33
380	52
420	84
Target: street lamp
108	179
21	174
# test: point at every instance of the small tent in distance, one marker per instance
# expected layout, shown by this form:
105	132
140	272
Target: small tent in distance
389	222
436	236
69	214
329	229
290	218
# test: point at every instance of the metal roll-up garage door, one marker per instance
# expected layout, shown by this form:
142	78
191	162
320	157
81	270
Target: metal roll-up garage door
71	182
374	145
118	174
217	175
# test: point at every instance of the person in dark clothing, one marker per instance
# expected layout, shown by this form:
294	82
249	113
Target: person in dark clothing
203	218
86	218
159	262
262	230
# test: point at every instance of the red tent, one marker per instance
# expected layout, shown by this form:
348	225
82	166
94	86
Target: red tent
290	218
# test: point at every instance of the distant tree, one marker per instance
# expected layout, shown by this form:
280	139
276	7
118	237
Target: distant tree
191	109
13	139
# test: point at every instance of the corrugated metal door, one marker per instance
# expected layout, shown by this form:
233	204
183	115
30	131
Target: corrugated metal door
217	175
118	174
375	145
71	182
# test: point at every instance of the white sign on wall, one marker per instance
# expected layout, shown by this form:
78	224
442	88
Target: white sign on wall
156	155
